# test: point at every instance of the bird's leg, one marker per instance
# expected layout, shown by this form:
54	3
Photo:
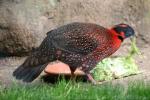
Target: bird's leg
72	74
88	65
88	74
91	79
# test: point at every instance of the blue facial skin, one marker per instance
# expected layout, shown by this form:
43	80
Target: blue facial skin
124	28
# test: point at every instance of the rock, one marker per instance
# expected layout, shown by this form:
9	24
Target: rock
61	68
24	23
143	27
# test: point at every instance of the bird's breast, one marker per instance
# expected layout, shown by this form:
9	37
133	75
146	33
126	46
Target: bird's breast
106	49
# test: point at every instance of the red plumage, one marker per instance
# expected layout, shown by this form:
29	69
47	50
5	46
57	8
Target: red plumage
76	44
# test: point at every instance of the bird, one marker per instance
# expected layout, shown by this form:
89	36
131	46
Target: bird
77	44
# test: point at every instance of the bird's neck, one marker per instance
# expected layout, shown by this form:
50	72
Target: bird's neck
117	39
116	35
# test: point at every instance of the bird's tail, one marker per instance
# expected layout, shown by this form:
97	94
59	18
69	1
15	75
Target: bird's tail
30	69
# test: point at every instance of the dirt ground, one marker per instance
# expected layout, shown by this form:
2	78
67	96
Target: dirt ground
7	66
22	22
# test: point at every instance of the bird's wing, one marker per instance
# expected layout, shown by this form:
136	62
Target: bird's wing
75	41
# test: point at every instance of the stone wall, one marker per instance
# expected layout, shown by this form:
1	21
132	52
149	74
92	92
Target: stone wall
24	23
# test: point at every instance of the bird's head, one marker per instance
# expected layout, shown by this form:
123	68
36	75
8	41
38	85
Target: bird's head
123	31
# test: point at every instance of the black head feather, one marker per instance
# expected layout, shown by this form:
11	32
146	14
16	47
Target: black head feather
126	29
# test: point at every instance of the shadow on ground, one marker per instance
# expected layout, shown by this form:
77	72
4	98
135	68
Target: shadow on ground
54	78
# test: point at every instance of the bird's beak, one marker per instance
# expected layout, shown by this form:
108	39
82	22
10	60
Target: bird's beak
132	38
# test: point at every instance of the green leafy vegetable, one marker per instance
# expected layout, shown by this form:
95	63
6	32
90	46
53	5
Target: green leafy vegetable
118	67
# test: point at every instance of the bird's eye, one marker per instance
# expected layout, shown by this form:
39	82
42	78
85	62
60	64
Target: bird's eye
120	37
